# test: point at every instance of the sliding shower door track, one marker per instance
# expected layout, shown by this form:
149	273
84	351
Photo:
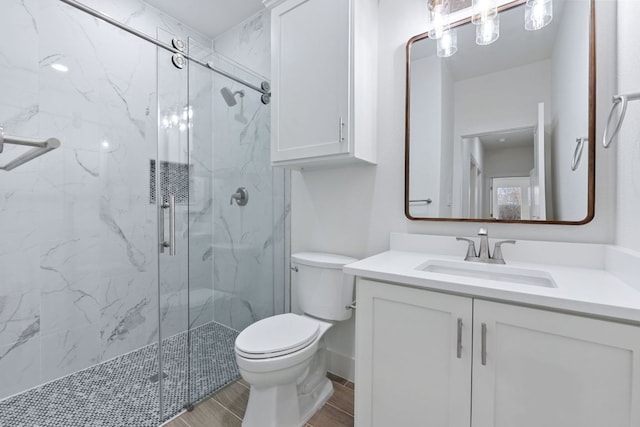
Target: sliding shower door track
264	89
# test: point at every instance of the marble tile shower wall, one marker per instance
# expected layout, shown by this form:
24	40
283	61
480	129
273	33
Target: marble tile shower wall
248	241
78	236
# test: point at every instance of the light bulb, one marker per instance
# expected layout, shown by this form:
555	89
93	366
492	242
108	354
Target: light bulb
483	10
537	14
488	31
438	17
448	43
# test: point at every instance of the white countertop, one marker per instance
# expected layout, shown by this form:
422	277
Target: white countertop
591	291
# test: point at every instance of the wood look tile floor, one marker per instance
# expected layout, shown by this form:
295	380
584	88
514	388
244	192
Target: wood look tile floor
226	408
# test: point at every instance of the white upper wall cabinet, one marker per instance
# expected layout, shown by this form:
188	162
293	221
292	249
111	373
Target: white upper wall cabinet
324	82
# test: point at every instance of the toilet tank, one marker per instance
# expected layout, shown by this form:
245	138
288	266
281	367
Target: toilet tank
323	290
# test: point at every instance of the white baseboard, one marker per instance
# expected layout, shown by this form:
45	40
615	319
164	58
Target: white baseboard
341	365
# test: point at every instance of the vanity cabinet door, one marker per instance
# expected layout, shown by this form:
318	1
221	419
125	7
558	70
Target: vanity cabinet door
408	369
545	369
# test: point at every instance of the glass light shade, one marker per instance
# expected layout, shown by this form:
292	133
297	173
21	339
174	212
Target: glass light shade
448	43
537	14
438	17
483	10
488	31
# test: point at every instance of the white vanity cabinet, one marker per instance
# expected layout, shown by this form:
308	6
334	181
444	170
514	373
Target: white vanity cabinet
324	82
528	367
408	368
550	369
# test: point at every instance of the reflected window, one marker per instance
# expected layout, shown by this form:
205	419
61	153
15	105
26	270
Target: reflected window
511	198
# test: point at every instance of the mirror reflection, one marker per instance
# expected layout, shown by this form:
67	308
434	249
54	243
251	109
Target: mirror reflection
500	131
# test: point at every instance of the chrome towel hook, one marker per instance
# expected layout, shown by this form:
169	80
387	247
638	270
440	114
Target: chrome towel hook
577	153
621	100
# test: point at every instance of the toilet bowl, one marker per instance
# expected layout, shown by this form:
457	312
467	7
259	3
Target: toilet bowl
283	357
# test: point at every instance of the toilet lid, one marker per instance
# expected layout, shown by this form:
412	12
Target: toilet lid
276	336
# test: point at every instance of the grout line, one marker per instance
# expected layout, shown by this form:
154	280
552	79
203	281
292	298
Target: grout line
224	407
231	412
339	409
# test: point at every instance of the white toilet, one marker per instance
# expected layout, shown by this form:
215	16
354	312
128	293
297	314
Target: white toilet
283	357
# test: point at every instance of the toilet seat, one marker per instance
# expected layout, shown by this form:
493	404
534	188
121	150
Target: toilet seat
276	336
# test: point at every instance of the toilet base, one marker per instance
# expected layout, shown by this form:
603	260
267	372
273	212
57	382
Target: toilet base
285	393
309	405
281	406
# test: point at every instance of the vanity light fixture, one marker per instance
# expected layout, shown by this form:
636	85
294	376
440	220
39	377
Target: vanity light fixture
438	17
448	43
537	14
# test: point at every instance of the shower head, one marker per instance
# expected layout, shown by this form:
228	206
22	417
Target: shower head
230	97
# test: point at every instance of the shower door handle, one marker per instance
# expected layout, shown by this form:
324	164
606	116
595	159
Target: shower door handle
171	244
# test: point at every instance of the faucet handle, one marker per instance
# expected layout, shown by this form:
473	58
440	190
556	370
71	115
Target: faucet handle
483	232
497	251
471	250
241	196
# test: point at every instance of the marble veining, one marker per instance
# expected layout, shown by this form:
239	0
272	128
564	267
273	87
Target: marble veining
79	252
29	332
136	257
131	320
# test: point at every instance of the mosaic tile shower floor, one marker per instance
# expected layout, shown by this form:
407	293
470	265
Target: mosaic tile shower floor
119	392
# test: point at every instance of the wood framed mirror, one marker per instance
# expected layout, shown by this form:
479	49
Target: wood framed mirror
504	132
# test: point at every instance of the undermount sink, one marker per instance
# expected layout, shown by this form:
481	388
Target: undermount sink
495	272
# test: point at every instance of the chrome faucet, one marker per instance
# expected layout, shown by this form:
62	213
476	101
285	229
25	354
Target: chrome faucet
484	255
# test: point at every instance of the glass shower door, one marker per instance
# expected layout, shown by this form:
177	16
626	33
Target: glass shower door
228	269
185	208
172	177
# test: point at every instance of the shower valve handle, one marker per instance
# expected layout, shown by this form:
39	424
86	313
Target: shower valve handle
241	196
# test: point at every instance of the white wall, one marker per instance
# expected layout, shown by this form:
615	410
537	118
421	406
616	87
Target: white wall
628	142
503	100
470	151
446	149
570	102
352	210
426	76
505	162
